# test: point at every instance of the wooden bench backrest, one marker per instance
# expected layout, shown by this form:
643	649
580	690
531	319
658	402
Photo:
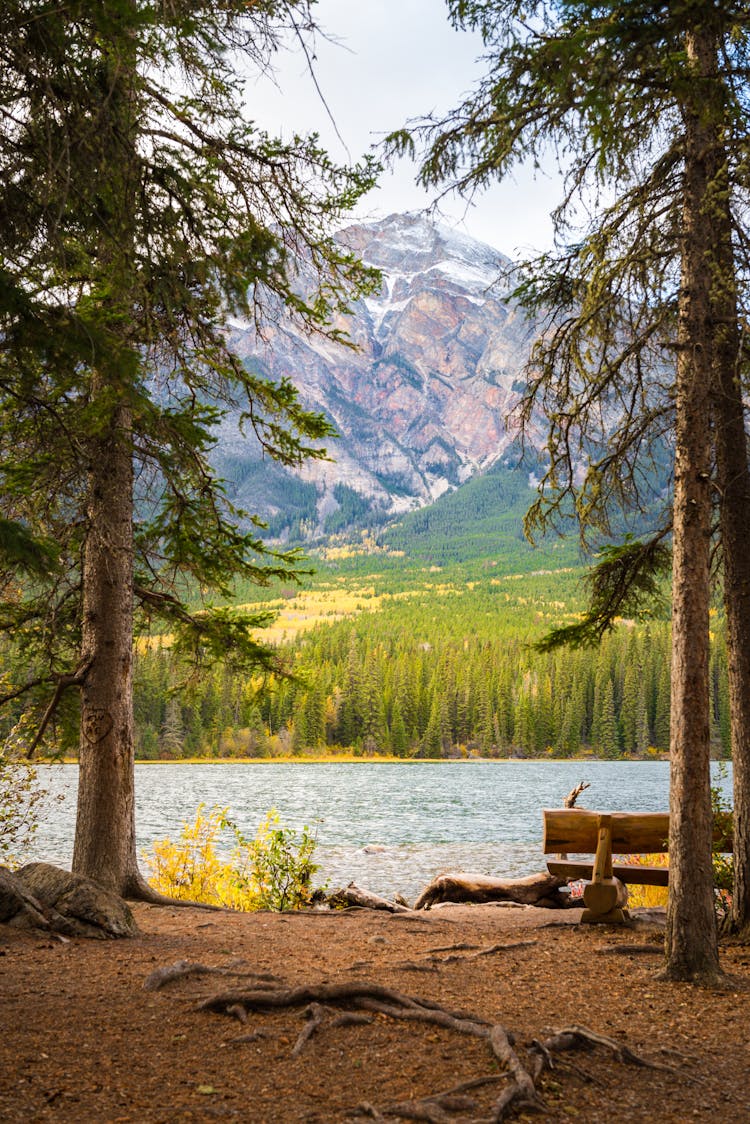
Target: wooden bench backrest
576	830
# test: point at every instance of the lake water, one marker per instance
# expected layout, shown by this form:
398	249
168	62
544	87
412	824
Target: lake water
482	816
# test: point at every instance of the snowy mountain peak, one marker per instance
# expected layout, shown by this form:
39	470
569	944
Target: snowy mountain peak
408	244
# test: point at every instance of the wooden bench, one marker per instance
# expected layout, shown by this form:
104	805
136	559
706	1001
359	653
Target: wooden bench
580	831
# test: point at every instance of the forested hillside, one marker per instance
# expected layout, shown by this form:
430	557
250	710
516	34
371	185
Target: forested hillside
429	663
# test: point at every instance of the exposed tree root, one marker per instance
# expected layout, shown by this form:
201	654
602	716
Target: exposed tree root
463	946
253	1036
521	1091
620	1051
327	1006
432	963
238	1012
631	950
315	1014
43	896
176	971
490	951
137	889
182	968
435	1109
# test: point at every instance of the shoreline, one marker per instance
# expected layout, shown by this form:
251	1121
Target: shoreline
382	759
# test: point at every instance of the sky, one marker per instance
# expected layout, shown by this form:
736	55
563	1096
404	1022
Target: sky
384	62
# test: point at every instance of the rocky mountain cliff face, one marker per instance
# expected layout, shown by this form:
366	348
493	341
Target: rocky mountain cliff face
421	406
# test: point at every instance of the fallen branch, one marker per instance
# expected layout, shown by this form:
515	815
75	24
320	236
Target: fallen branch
353	895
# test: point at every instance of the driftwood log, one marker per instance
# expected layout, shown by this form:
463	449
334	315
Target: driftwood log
541	889
41	896
570	800
353	895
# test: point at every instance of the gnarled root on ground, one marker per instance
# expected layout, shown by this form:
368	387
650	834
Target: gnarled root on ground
138	890
321	1006
42	896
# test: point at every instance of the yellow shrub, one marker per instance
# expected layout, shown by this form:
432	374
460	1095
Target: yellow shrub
272	871
649	896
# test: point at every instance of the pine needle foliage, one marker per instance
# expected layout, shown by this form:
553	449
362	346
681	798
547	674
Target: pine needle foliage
141	208
602	91
625	581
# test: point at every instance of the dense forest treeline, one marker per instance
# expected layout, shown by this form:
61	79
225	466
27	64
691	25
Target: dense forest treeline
445	670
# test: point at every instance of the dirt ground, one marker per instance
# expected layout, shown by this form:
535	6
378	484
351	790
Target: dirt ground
82	1040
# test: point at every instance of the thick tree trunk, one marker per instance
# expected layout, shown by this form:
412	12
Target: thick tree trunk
733	476
105	827
104	846
691	938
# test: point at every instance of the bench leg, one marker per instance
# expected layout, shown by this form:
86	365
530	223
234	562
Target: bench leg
605	901
605	897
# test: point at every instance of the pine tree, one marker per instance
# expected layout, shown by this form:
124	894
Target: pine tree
647	109
663	709
171	736
608	739
633	703
399	737
138	208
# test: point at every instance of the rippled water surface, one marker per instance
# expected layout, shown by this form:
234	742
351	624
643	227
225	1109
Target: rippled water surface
423	817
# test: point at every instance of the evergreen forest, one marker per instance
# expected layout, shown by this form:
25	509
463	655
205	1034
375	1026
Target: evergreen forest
418	640
429	663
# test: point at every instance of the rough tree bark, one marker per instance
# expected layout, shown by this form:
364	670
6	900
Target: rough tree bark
691	939
104	847
733	477
105	826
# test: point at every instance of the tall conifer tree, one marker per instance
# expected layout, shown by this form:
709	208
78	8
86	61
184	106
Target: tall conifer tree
646	107
139	208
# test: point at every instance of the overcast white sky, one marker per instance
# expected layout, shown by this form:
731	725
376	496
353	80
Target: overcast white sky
393	60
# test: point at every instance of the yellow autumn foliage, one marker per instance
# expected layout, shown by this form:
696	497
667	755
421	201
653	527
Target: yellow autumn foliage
271	871
647	896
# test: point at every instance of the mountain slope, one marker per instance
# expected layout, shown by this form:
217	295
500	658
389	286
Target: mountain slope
420	406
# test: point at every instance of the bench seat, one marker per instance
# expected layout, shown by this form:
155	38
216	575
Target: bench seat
627	872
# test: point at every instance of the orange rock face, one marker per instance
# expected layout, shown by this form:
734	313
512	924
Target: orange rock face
427	399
